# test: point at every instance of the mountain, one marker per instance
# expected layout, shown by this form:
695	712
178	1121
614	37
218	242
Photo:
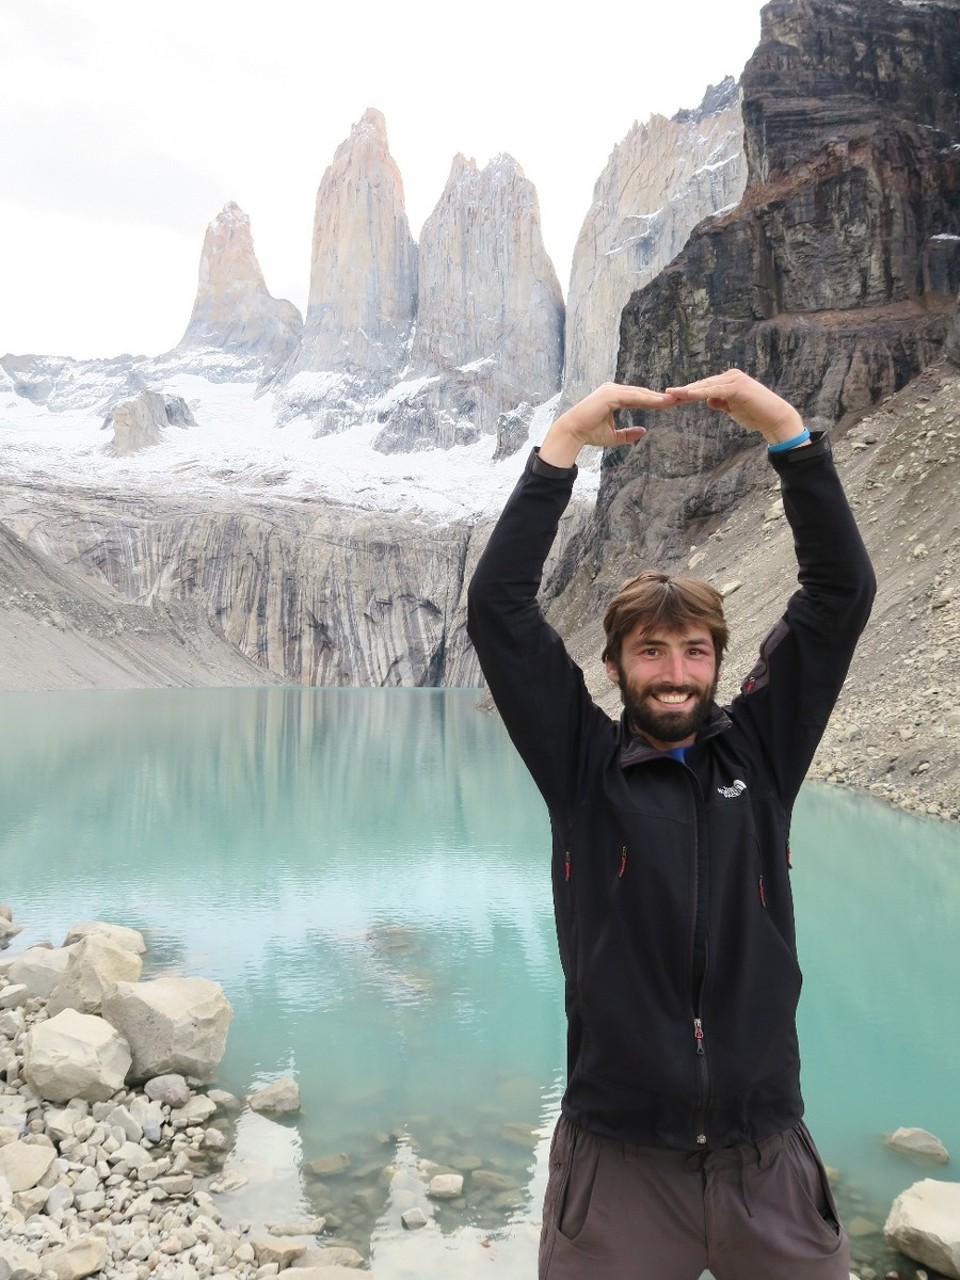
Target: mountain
233	312
661	180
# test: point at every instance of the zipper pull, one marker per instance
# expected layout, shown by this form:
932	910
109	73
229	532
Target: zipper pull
566	866
698	1035
623	860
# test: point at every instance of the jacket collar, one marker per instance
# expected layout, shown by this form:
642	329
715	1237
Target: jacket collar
635	749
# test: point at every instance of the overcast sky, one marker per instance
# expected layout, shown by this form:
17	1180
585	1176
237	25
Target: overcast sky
128	124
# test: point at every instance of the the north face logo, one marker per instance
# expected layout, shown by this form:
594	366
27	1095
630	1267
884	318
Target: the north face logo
731	793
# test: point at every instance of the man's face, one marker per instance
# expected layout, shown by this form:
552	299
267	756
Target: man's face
667	682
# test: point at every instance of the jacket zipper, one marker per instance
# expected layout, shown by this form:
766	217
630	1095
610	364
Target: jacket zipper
698	974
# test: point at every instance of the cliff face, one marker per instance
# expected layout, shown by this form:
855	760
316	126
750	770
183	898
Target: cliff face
363	270
832	281
233	312
659	183
489	329
310	593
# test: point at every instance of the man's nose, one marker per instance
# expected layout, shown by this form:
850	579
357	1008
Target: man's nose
676	672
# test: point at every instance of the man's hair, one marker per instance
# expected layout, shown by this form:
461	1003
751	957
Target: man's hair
664	602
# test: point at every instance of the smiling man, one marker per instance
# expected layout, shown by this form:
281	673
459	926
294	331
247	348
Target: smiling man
681	1144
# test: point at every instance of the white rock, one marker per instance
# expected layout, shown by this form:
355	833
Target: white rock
23	1164
13	996
77	1259
171	1024
17	1263
274	1249
197	1111
95	962
38	968
278	1098
924	1223
119	934
75	1055
919	1144
445	1186
413	1218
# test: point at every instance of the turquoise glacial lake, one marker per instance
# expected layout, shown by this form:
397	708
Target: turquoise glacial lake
365	872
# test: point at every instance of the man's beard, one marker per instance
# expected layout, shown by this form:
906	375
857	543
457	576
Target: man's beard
657	721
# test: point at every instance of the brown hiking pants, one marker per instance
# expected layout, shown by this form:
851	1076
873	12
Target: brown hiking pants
763	1211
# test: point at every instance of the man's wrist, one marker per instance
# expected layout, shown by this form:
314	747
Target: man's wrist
791	442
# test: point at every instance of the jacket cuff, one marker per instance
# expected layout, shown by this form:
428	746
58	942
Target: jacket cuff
818	447
538	467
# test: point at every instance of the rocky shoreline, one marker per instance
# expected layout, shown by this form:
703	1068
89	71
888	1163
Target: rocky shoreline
113	1142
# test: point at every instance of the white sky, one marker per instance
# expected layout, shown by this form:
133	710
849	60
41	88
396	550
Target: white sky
128	124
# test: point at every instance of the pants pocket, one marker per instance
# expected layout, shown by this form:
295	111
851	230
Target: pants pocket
812	1178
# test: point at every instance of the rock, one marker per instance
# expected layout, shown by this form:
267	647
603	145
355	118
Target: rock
924	1223
489	331
15	995
413	1218
95	961
23	1164
77	1259
270	1249
75	1055
233	311
363	272
331	1256
171	1090
445	1186
661	180
39	969
17	1263
119	934
8	930
302	1227
277	1098
171	1024
919	1144
141	421
329	1166
197	1111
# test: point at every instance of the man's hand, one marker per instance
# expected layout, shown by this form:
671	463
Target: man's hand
747	401
591	422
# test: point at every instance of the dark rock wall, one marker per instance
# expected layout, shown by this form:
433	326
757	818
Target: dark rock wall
833	281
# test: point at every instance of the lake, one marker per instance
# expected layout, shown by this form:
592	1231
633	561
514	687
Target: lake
366	873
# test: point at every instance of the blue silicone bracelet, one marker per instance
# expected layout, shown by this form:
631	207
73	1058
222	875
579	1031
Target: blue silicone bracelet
792	443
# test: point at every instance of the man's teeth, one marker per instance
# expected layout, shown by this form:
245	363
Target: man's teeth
672	698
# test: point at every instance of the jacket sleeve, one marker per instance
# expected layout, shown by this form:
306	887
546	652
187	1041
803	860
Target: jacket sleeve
538	689
789	695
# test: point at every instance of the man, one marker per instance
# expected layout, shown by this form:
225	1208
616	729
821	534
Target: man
680	1144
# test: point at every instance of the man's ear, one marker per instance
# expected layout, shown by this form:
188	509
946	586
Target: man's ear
613	671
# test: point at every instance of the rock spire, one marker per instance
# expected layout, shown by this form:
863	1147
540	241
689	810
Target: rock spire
363	272
490	314
234	312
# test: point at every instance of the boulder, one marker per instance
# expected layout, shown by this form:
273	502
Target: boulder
445	1186
95	962
117	933
171	1024
17	1263
23	1164
277	1098
38	968
924	1223
275	1249
14	995
77	1259
170	1090
75	1055
919	1144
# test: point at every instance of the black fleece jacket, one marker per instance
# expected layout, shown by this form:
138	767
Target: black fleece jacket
671	879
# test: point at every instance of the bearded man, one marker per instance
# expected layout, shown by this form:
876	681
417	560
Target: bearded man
681	1144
